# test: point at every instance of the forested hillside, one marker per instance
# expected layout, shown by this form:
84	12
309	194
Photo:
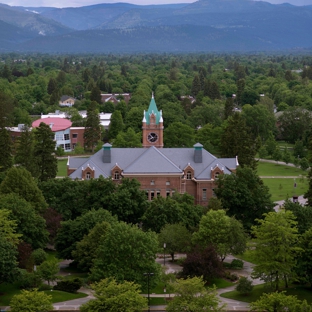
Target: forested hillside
205	25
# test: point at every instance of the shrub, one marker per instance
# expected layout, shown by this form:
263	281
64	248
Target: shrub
237	264
244	286
71	285
38	256
29	280
232	277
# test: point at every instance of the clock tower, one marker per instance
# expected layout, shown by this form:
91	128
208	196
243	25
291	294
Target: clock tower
152	125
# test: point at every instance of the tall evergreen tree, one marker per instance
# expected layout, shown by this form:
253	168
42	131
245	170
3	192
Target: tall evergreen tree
96	95
195	85
116	124
236	140
52	86
6	147
44	148
25	152
228	108
240	89
92	132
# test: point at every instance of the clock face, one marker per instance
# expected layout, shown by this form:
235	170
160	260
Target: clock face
152	137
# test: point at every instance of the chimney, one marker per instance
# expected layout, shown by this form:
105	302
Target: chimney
107	153
198	153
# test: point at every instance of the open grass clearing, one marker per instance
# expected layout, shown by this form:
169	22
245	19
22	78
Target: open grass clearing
301	292
61	168
7	291
274	169
283	188
158	301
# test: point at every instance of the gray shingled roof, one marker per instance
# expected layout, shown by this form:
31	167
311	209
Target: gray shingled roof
152	161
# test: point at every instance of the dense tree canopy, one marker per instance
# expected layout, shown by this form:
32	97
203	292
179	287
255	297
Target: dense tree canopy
276	257
244	195
111	296
126	254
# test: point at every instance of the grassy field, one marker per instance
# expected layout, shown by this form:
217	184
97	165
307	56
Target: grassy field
62	168
7	291
283	188
273	169
300	291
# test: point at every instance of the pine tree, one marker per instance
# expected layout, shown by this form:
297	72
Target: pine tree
236	140
195	85
228	108
25	152
116	124
6	148
92	132
52	86
44	149
96	95
240	89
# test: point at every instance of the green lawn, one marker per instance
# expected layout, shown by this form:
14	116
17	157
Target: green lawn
62	168
157	301
60	296
282	188
7	291
300	291
270	169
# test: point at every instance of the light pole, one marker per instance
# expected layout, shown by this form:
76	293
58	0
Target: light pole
148	290
164	254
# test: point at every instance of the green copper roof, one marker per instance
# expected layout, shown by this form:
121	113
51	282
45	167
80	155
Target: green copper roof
152	109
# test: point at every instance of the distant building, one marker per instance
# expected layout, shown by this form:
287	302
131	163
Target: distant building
115	98
67	101
104	117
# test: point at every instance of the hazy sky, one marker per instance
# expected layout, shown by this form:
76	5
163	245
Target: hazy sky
78	3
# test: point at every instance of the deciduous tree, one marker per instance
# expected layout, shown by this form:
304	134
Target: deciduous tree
223	232
192	295
113	296
244	195
19	181
31	301
203	262
126	254
86	249
176	237
29	223
276	248
279	302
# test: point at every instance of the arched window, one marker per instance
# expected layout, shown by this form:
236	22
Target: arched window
189	175
116	175
88	175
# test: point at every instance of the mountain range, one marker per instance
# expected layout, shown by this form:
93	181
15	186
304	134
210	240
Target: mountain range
202	26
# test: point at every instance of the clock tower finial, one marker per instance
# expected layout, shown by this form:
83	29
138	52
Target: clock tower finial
152	126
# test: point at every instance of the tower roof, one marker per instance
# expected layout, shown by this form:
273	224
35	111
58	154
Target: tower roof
152	109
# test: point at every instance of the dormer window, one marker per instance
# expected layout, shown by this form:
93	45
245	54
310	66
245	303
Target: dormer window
189	175
216	175
152	119
116	175
88	175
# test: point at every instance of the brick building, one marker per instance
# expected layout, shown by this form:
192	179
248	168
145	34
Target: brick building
160	171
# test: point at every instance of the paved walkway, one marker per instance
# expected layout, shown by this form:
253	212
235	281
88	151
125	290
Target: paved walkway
232	305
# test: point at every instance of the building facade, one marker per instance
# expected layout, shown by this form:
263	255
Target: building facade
160	171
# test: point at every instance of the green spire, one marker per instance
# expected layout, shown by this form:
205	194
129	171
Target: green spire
152	109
